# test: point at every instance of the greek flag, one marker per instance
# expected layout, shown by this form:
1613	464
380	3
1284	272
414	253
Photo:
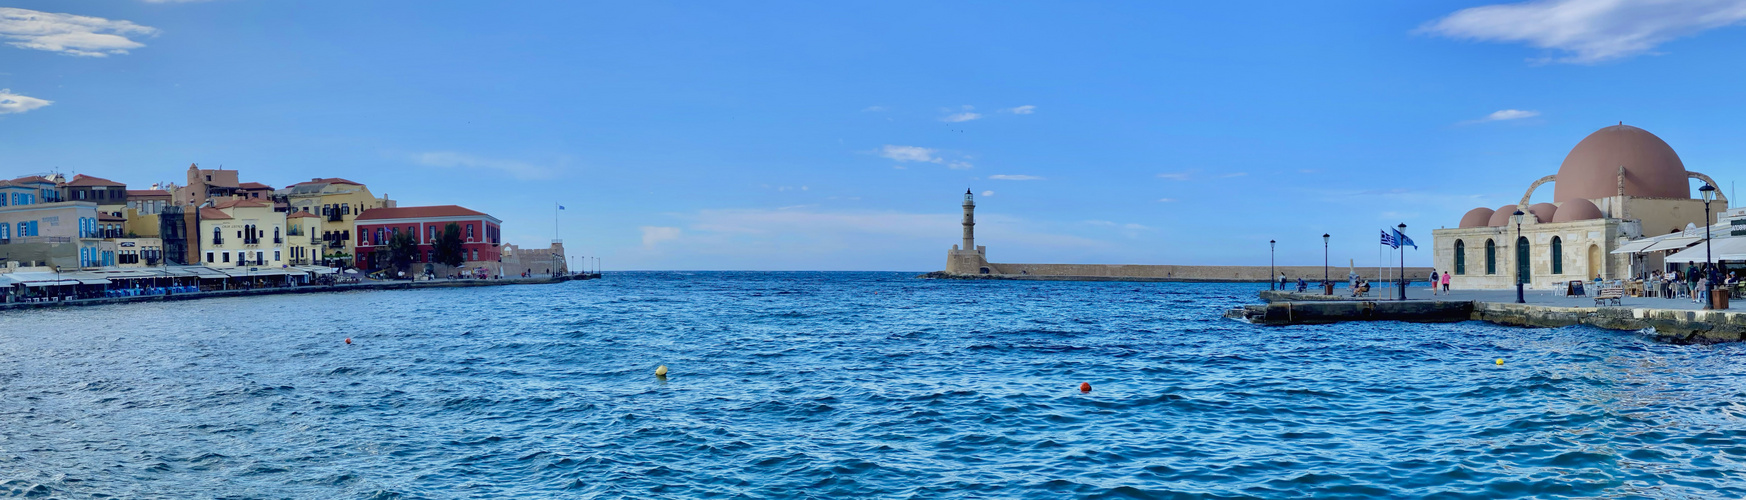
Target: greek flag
1390	240
1402	239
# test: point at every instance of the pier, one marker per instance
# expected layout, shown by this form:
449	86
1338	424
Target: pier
1675	320
281	290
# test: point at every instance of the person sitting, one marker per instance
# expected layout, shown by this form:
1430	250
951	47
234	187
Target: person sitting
1301	286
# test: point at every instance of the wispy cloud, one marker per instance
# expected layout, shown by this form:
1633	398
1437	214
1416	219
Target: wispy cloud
69	34
873	109
653	235
1176	176
1005	177
988	193
14	103
920	154
1022	110
962	114
1589	31
1504	115
518	169
1235	174
1166	200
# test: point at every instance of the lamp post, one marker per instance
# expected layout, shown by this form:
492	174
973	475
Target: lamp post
1403	278
1709	193
1324	262
1519	256
1271	244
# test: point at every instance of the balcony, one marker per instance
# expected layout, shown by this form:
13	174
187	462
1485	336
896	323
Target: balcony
217	240
336	244
335	217
277	240
314	240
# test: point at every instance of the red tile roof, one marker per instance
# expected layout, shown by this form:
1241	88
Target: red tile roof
253	185
31	178
83	180
213	213
108	217
241	202
328	180
418	212
301	215
146	193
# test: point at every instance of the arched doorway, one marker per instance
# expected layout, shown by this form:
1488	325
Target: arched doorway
1523	273
1460	257
1595	264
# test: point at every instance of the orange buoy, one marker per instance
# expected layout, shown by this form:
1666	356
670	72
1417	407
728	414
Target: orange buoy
1085	387
348	341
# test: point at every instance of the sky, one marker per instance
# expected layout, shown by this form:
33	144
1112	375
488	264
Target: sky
842	135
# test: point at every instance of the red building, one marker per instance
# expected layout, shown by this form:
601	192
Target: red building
481	235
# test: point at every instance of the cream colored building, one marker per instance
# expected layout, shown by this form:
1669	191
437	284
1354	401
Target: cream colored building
242	232
303	238
1619	183
338	202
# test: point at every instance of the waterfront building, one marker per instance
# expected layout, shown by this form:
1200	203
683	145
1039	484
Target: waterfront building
303	234
338	202
513	260
480	236
37	229
241	232
1619	183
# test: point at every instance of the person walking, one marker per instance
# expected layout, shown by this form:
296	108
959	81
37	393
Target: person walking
1445	283
1434	280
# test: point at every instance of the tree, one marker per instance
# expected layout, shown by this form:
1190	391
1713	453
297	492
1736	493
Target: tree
448	246
401	248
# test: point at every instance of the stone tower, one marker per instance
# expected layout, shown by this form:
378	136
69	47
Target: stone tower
969	220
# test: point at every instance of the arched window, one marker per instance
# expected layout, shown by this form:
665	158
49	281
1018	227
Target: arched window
1490	257
1524	272
1460	257
1557	255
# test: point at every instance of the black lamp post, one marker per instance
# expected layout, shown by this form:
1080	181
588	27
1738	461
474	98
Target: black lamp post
1271	244
1324	262
1519	256
1403	280
1709	193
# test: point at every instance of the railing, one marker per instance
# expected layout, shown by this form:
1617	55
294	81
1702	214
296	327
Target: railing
336	244
277	241
217	240
335	217
314	240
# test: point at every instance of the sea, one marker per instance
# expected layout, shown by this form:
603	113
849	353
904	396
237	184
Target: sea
844	385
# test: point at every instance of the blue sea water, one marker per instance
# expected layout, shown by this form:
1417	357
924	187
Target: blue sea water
843	385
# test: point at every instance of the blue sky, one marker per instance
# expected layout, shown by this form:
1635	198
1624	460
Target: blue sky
841	135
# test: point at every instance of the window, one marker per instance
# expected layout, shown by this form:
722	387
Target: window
227	256
208	257
1460	257
1557	255
1490	257
469	231
276	255
33	228
1523	271
260	257
475	254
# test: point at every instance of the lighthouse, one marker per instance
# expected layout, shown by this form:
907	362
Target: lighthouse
968	258
969	221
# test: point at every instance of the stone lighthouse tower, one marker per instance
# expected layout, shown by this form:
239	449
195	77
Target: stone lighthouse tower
968	258
969	220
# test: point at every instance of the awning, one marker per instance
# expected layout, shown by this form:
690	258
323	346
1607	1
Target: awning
93	281
1674	243
52	283
1635	246
1720	249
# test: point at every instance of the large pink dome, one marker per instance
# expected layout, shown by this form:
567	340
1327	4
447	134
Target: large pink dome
1478	217
1544	211
1591	170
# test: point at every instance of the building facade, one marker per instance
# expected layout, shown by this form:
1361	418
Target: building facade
480	235
242	232
338	202
1619	183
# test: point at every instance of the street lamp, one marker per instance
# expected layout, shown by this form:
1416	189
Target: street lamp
1271	244
1709	193
1520	255
1325	263
1403	280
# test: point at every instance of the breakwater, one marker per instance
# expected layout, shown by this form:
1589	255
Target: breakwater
245	292
1174	273
1676	325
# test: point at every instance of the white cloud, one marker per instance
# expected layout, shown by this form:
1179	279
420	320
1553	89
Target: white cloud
959	165
1235	174
1166	200
1590	31
14	103
908	153
517	169
69	34
1023	110
1505	115
657	234
1175	176
988	193
961	117
873	109
1100	223
1005	177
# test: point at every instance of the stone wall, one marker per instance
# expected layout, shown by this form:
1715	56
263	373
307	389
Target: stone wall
1191	273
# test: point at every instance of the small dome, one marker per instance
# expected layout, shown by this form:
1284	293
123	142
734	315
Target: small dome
1575	210
1501	216
1478	217
1544	211
1591	170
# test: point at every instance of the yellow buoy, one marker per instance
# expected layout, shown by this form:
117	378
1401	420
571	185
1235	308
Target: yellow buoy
661	371
1500	361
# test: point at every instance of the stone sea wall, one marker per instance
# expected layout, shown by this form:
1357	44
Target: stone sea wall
1291	308
1120	272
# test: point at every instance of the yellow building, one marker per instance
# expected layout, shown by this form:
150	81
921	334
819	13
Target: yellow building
303	238
242	232
338	202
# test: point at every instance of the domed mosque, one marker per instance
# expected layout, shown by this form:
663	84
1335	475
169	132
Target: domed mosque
1620	183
